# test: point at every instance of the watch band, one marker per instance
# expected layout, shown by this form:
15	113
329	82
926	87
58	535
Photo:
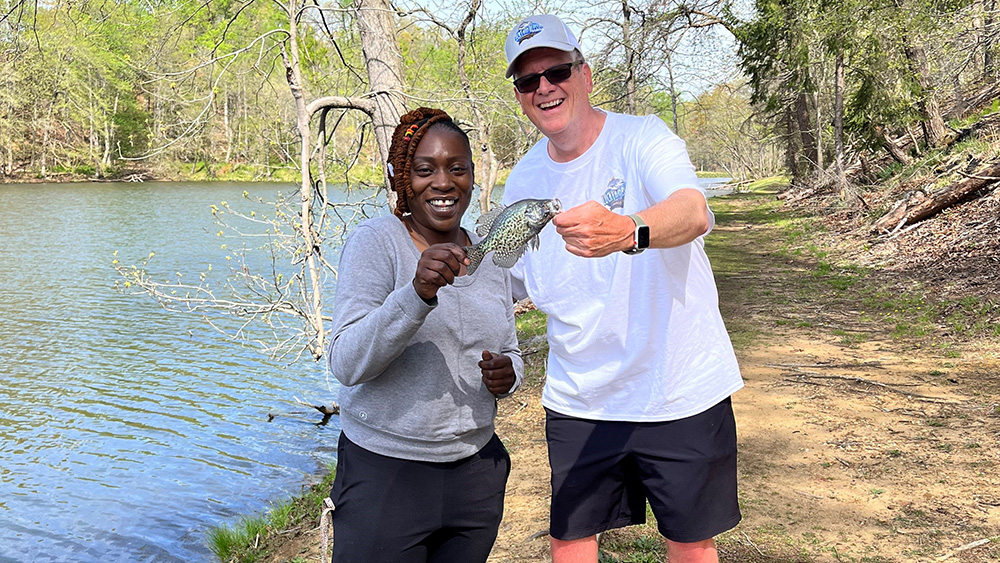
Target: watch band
640	238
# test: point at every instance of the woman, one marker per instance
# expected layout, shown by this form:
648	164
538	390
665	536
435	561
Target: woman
422	353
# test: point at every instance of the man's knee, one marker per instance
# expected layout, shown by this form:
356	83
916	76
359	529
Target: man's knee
693	552
583	550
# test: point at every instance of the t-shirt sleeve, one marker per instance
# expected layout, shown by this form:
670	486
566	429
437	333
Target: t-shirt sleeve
662	160
664	164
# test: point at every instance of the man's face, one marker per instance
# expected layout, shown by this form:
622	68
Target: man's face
553	107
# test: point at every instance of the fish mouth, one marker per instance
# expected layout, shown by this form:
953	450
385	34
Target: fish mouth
554	206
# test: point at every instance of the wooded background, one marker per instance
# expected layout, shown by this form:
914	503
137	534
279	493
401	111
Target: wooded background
310	90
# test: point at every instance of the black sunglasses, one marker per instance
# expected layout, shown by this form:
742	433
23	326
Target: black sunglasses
555	75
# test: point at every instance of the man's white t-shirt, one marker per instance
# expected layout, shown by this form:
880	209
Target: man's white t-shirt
636	338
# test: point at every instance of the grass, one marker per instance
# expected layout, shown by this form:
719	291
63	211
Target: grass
807	272
248	541
531	324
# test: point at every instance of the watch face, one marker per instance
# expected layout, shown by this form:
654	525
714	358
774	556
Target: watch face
642	236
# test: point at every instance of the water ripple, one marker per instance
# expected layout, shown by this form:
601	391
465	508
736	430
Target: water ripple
129	431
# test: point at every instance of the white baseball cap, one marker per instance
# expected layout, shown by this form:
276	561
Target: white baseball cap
532	32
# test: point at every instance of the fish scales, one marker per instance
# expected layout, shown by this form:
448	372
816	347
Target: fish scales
508	231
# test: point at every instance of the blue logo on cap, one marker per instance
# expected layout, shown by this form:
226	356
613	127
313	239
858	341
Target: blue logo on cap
527	30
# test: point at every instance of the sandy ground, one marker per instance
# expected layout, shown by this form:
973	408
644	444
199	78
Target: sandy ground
846	454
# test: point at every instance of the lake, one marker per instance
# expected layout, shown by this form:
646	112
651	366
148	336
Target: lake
129	431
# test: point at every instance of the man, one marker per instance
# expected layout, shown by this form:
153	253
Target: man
640	365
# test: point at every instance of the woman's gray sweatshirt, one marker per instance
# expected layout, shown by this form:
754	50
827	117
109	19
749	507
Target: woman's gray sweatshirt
411	384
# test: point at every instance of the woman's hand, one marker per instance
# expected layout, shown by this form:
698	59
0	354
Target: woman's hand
498	372
438	266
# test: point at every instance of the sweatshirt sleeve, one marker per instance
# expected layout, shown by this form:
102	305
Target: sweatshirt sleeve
373	321
511	347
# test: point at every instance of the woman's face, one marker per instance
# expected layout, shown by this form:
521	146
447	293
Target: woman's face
442	176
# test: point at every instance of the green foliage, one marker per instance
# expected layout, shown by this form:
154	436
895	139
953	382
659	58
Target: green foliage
531	323
248	541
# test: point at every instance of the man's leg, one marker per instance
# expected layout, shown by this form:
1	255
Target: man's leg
594	486
583	550
695	552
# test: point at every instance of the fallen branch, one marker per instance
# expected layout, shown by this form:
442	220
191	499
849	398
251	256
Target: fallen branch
327	411
874	364
920	208
538	534
966	547
908	394
974	177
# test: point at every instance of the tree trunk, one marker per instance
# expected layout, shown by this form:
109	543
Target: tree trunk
805	132
673	94
935	130
792	142
819	131
989	40
384	62
227	127
630	58
310	238
488	158
838	118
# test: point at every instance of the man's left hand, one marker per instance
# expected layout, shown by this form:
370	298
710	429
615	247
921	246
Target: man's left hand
590	230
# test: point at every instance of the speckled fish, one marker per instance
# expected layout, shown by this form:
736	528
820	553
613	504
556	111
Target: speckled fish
507	231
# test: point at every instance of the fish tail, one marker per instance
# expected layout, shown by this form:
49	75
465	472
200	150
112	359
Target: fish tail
475	254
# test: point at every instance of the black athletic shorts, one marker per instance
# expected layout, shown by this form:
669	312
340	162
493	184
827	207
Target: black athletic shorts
391	510
603	472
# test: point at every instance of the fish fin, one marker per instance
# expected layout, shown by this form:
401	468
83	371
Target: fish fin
507	258
486	220
475	254
533	243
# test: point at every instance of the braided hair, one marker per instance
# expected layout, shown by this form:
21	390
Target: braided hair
411	129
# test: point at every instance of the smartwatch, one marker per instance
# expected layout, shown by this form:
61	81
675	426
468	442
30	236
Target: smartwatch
640	239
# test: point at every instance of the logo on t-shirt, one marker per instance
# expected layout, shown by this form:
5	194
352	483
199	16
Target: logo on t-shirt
614	197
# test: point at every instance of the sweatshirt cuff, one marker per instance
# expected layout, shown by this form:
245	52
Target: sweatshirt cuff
414	306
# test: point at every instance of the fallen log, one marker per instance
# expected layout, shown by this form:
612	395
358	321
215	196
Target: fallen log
918	209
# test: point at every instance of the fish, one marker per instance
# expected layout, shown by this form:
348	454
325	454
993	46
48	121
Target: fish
508	231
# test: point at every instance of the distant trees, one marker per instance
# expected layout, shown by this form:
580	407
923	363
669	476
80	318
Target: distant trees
258	90
819	72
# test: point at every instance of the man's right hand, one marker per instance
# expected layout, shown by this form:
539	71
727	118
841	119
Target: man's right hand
590	230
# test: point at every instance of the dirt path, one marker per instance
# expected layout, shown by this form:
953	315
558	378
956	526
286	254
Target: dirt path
856	443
